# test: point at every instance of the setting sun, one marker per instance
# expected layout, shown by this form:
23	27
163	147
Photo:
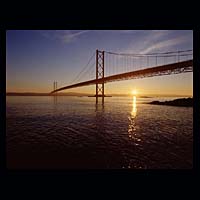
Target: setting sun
134	92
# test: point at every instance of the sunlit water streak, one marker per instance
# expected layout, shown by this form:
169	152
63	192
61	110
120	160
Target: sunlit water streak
132	125
72	132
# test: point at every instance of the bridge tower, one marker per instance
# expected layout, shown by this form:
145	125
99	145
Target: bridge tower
100	75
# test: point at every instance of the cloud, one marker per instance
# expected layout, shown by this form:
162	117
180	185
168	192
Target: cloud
158	41
159	46
143	39
65	36
70	36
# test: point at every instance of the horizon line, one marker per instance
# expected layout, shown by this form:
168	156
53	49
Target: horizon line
81	93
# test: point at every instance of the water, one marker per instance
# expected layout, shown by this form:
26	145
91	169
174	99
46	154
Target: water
74	133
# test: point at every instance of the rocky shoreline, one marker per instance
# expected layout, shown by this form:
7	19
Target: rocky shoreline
183	102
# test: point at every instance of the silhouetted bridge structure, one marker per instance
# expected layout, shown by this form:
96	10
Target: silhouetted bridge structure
133	65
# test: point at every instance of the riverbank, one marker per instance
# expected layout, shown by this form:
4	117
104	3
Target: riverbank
182	102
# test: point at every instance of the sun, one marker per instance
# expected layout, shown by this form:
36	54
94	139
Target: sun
134	92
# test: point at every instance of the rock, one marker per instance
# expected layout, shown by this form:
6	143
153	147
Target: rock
185	102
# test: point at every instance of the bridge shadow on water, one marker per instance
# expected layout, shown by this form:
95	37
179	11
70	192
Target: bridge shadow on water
55	100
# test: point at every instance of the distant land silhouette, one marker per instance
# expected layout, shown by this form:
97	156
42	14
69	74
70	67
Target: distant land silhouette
44	94
183	102
88	94
60	94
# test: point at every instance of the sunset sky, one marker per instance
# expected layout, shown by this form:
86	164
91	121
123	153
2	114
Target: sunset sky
34	59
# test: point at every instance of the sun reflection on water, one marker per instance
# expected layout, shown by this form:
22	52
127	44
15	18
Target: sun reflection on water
132	128
134	108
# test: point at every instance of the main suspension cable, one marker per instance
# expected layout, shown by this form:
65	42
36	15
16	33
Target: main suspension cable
78	76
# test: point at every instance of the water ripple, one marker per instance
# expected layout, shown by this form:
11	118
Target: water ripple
77	134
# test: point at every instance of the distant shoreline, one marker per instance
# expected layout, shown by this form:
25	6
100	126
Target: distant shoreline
182	102
84	94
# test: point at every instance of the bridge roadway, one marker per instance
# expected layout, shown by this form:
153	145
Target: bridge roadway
180	67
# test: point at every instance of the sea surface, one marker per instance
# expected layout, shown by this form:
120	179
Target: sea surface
74	133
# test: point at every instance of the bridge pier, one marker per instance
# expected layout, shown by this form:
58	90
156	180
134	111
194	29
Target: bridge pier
99	75
55	86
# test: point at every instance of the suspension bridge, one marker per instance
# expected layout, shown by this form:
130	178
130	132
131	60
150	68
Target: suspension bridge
110	66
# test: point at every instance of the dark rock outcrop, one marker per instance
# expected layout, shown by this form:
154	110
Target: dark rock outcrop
185	102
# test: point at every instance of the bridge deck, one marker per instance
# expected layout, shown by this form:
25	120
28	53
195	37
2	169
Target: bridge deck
184	66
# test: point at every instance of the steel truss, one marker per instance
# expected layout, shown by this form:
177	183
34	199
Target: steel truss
100	75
